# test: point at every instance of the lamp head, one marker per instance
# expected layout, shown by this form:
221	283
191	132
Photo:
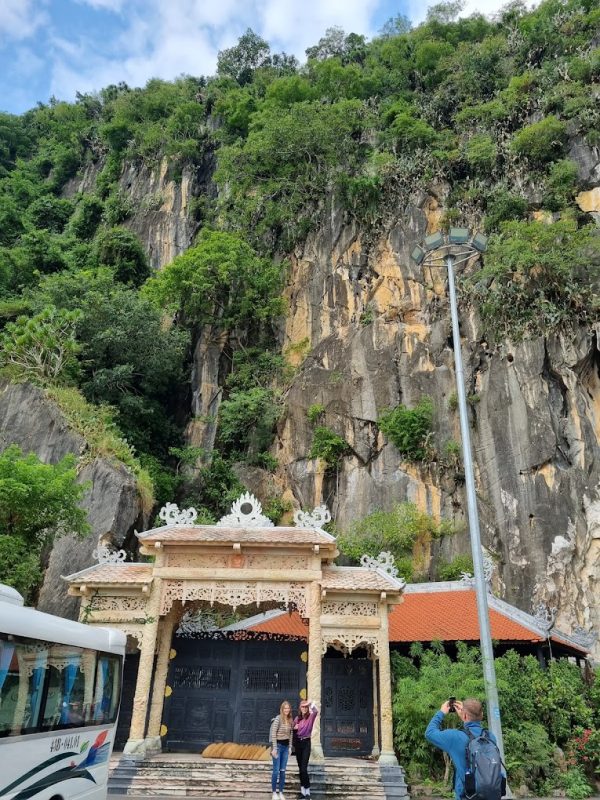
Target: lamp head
480	242
458	235
434	240
418	254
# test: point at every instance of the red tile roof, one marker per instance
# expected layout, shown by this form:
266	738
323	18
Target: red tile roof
450	616
432	616
214	534
125	572
288	624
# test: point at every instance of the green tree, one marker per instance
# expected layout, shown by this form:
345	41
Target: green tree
128	357
121	250
240	61
51	213
38	502
221	281
247	419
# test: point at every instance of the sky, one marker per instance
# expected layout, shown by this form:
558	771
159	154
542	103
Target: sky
58	47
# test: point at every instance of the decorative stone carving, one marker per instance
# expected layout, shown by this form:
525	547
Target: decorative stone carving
544	616
348	640
135	631
125	603
194	622
104	555
246	512
349	608
315	520
489	568
584	637
235	593
172	515
197	560
384	562
291	563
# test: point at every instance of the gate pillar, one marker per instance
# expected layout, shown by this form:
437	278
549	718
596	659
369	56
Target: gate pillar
136	744
153	741
315	659
385	688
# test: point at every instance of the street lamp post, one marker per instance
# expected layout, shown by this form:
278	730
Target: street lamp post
458	249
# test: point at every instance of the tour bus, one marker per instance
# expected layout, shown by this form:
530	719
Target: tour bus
60	686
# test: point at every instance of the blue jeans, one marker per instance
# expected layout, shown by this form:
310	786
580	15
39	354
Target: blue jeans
279	765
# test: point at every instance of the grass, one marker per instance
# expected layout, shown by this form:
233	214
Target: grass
97	427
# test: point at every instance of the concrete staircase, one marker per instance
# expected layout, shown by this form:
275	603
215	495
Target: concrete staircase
179	775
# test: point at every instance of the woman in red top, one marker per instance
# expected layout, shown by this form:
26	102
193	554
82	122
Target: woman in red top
303	726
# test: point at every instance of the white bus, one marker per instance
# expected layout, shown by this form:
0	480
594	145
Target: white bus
60	686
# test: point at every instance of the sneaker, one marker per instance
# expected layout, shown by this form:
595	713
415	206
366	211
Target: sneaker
281	797
275	796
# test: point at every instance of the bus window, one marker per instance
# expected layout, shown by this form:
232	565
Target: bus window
48	687
9	685
108	688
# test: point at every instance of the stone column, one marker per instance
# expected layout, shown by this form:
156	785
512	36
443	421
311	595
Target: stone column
385	689
153	742
375	751
314	666
136	744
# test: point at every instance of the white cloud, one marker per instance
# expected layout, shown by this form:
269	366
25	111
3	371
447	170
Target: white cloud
165	39
19	19
105	5
297	25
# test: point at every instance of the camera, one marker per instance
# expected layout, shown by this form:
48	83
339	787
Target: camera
451	701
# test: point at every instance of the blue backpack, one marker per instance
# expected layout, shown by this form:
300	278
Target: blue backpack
484	778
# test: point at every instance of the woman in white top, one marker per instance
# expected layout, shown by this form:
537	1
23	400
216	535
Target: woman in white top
279	736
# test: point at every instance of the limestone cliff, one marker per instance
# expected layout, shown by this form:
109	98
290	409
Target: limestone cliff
30	420
376	332
367	329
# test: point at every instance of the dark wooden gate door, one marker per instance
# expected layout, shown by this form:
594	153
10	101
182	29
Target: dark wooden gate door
347	724
227	691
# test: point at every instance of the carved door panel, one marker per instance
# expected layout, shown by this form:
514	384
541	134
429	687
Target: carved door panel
200	708
270	672
224	691
347	703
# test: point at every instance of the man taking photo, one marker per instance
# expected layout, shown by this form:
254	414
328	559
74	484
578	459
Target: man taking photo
477	765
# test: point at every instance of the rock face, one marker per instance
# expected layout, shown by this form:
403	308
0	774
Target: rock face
375	332
367	330
161	202
30	420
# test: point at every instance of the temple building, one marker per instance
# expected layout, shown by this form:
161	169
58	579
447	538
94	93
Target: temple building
226	621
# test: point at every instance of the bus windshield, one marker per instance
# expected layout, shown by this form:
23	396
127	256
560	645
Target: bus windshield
45	686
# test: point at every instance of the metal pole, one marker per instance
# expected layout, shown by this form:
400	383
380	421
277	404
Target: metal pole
487	652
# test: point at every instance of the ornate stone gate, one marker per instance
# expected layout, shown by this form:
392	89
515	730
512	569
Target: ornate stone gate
243	562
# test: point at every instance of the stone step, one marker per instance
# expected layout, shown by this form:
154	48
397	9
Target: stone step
220	779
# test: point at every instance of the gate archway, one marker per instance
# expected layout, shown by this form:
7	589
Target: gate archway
242	561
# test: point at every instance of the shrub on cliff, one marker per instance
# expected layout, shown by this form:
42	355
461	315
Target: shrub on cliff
409	429
397	531
538	278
